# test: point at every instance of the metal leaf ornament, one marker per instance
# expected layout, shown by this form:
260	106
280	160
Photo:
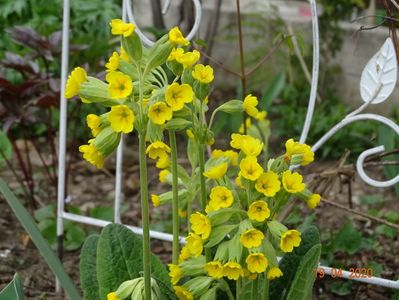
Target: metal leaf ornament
380	74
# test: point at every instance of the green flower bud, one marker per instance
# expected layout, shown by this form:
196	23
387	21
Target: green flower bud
133	47
127	287
231	107
198	285
107	141
276	228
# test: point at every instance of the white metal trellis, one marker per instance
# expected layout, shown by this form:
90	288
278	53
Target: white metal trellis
127	13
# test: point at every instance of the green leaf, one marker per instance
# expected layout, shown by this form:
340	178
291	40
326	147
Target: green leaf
386	230
44	248
178	124
218	234
119	258
271	92
13	290
372	199
88	273
341	288
74	237
348	239
5	147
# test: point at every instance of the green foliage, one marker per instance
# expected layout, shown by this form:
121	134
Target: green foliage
341	287
14	290
5	147
348	239
88	274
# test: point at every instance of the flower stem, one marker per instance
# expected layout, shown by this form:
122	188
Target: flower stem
266	289
175	199
145	216
254	294
238	289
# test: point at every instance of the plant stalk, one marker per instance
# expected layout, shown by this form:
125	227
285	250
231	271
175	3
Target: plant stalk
255	286
266	289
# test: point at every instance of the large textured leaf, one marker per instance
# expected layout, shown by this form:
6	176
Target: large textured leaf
290	262
301	287
380	74
119	258
14	290
88	272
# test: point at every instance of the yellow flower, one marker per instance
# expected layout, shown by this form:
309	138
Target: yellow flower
268	184
210	141
230	154
184	254
118	27
249	275
214	269
112	296
120	85
163	162
157	149
159	113
201	225
251	146
77	77
113	62
163	175
250	168
261	115
194	244
190	134
188	59
249	105
156	200
313	201
203	74
232	270
175	54
216	172
257	262
121	118
182	293
236	140
302	151
248	124
238	182
124	56
252	238
177	38
94	122
274	273
221	197
177	95
289	240
292	182
182	213
92	155
258	211
175	273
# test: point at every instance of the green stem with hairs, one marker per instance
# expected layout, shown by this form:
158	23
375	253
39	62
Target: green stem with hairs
266	289
238	289
255	284
175	199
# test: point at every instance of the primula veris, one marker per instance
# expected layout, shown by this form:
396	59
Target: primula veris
214	269
175	54
252	238
289	240
184	254
258	211
112	296
175	273
156	200
201	225
188	59
268	184
182	213
118	27
190	134
194	244
249	105
251	146
177	95
120	85
230	154
220	197
250	168
203	74
274	273
304	151
163	162
261	115
232	270
163	174
113	62
256	262
92	155
75	79
157	149
239	182
313	201
121	118
177	38
94	122
159	113
292	182
248	124
182	293
124	56
217	171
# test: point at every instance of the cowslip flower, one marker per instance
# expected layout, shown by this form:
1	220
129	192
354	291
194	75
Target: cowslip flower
261	115
163	174
177	38
175	54
251	146
94	122
217	171
120	85
182	293
184	254
112	296
214	269
159	113
156	200
239	182
249	105
182	213
302	151
248	124
121	118
124	56
230	154
258	211
274	273
194	244
188	59
118	27
113	62
313	201
201	225
203	74
292	182
220	197
92	155
232	270
289	240
256	262
177	95
163	162
250	168
157	149
252	238
75	79
268	184
175	273
250	275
